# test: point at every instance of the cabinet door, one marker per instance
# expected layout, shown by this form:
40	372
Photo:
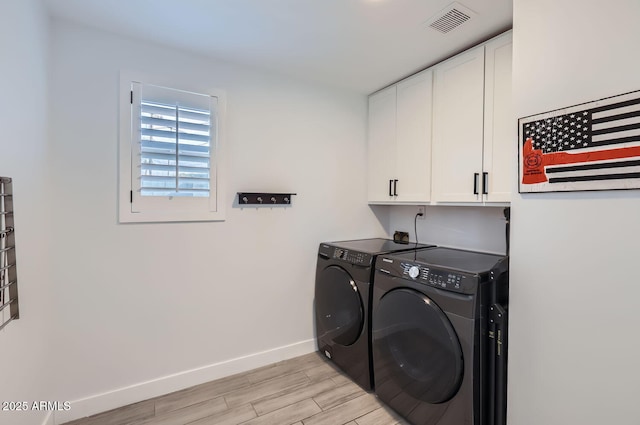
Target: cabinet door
381	146
413	138
458	127
500	129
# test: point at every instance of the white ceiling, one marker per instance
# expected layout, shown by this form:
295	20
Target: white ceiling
361	45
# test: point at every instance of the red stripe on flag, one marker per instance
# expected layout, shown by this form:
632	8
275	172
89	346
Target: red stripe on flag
534	161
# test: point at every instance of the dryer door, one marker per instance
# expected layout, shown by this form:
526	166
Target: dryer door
416	350
339	309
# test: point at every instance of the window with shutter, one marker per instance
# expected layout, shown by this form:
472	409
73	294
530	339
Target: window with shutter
174	151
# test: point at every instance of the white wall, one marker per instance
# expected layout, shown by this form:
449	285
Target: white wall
474	228
574	287
25	343
138	302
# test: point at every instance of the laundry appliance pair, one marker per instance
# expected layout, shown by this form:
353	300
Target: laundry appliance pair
344	276
423	326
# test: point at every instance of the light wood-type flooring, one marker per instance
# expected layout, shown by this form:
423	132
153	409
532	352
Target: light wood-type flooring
306	390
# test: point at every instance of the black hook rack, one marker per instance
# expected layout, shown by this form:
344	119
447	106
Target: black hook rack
264	198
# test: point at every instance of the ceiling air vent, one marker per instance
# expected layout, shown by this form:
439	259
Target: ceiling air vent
449	18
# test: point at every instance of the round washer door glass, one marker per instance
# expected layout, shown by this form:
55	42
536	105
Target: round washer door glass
415	341
339	310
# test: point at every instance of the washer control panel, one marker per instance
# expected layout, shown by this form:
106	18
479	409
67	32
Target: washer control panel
438	278
353	257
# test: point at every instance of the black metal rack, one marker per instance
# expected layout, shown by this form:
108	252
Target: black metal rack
498	326
8	274
264	198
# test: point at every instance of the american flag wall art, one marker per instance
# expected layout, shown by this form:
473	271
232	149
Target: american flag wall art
593	146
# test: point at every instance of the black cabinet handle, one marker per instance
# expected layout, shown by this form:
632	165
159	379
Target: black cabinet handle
475	183
390	186
485	183
395	188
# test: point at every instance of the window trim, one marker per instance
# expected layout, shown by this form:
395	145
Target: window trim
126	146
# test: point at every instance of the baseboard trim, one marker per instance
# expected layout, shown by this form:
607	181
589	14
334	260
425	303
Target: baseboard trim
145	390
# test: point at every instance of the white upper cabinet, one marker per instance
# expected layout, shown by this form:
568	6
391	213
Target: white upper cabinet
382	145
473	142
458	128
446	134
399	163
500	130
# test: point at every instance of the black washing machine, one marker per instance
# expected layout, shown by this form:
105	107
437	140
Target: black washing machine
344	275
439	336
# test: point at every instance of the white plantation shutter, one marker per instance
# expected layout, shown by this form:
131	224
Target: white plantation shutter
175	143
174	139
174	150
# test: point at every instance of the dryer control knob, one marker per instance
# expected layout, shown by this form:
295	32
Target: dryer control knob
414	271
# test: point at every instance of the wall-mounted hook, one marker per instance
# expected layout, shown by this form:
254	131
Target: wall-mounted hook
257	198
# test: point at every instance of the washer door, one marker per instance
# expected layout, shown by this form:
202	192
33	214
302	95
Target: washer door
339	310
416	347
